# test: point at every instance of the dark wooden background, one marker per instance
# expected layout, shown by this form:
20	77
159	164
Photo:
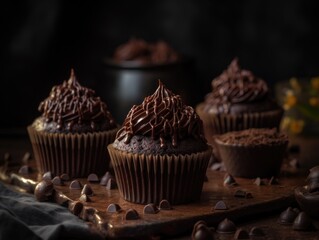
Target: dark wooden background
41	40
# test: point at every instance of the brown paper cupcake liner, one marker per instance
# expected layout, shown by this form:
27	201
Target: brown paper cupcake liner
78	155
151	178
252	161
222	123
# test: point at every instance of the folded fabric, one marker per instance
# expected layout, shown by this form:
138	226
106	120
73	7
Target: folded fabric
23	217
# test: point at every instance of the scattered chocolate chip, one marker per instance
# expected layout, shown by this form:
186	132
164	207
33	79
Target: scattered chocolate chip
256	231
105	178
259	182
26	157
294	163
241	234
287	217
273	181
111	184
131	214
65	177
113	208
57	181
242	194
216	166
44	191
75	184
229	180
47	176
150	209
25	169
87	213
203	233
87	189
226	226
303	222
85	198
75	207
314	169
165	205
93	178
220	205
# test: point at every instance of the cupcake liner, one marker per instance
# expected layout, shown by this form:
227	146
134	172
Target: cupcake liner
221	123
77	155
151	178
252	161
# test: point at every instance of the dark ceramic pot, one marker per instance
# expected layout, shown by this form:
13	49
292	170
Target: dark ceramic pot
125	84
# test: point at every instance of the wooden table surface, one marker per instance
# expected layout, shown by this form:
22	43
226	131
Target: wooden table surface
262	210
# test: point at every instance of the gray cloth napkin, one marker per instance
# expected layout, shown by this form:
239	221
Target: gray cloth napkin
23	217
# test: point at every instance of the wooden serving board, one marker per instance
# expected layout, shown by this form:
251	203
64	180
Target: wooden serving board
265	199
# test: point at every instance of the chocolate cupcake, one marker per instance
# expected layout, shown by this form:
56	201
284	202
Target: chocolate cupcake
239	100
252	153
160	152
73	131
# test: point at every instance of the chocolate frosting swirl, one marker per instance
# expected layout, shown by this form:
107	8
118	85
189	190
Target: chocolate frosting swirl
236	85
72	107
162	116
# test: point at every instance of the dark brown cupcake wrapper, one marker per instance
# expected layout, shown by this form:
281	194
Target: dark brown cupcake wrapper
78	155
151	178
252	161
222	122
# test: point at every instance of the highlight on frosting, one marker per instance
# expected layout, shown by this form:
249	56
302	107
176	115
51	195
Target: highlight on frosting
162	116
236	85
71	104
140	50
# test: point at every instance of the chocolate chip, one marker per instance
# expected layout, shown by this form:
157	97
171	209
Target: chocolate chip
113	208
273	181
44	191
85	198
26	157
65	177
105	178
201	231
287	217
165	205
87	189
25	170
131	214
256	231
242	194
220	205
47	176
229	180
57	181
258	181
93	178
303	222
75	207
75	184
226	226
241	234
150	209
313	186
87	213
111	184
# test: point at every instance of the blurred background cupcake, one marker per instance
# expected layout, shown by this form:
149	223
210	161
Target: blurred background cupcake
239	100
134	69
73	131
300	99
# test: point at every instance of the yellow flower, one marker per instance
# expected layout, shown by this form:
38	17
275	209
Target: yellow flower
290	100
295	84
315	83
314	101
285	123
296	126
